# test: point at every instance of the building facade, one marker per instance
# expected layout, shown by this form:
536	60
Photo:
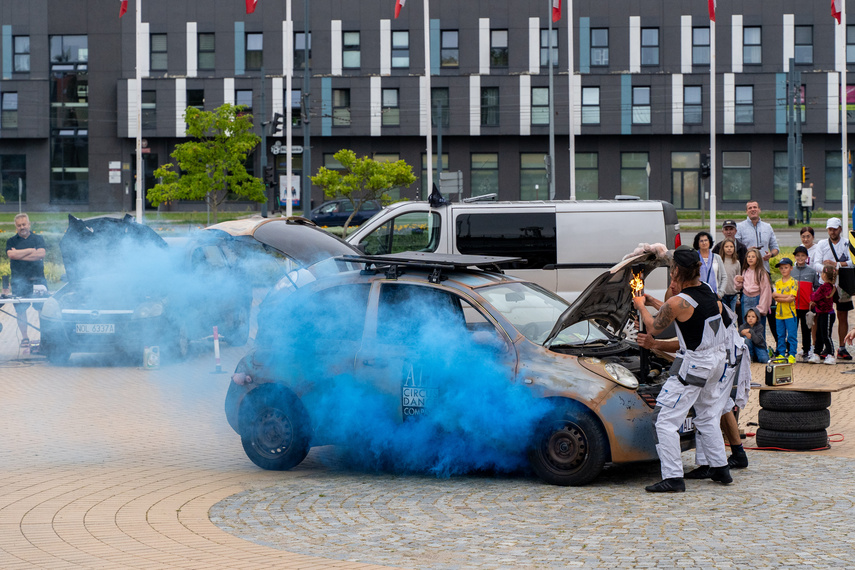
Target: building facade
641	89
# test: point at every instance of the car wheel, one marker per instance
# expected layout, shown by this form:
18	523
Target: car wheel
794	401
794	440
570	449
239	333
275	432
794	421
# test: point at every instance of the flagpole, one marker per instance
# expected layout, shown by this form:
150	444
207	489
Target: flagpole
844	129
550	171
138	89
429	106
570	81
712	131
289	72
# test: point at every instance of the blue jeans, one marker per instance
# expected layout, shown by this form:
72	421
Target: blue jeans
751	303
787	336
730	301
757	354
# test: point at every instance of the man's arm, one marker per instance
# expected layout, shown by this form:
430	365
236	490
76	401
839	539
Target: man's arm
672	308
773	242
29	254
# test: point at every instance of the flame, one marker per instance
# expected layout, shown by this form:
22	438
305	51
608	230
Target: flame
637	284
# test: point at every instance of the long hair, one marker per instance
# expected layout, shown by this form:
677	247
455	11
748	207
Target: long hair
686	274
759	270
733	257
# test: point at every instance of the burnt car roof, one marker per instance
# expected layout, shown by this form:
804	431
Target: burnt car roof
94	244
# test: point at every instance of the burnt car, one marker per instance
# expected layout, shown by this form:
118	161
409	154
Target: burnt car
336	212
414	349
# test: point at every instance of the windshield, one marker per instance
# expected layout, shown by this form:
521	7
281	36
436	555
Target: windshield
533	311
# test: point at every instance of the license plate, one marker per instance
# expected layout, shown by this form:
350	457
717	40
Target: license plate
89	328
688	425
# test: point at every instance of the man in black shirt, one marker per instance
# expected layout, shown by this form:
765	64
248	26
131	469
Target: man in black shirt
26	252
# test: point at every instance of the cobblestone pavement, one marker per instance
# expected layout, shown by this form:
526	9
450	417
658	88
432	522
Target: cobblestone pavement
118	467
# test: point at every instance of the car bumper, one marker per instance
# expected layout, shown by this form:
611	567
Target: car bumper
130	335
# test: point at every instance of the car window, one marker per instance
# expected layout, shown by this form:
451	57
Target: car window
208	257
330	208
331	315
529	235
413	231
346	207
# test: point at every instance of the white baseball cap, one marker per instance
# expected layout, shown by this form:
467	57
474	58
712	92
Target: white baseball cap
833	223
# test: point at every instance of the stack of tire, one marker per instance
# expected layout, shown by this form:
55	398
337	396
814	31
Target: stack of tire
793	420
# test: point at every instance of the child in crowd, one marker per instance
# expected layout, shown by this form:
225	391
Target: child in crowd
823	303
732	268
807	281
755	337
786	289
755	286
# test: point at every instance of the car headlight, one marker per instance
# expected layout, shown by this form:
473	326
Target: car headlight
619	374
148	310
51	310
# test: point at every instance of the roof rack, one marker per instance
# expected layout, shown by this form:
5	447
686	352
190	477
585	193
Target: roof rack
395	262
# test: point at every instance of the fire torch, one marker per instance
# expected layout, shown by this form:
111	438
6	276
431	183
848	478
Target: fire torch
637	286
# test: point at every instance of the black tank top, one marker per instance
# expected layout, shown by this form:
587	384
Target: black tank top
692	328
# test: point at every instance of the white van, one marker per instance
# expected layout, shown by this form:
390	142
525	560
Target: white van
566	244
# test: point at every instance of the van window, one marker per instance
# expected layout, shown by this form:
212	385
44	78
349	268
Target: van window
414	231
529	235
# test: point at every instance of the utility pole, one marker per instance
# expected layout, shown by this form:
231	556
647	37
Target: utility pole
439	119
793	145
306	198
550	165
263	123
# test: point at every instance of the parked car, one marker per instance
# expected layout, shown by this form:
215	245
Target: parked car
336	212
337	356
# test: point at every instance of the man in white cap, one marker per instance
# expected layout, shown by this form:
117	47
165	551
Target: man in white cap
834	252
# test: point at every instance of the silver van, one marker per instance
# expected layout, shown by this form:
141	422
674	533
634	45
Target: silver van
565	244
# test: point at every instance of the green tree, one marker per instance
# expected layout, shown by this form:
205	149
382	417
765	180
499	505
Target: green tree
212	166
362	179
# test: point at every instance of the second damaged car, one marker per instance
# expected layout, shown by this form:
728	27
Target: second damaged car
424	361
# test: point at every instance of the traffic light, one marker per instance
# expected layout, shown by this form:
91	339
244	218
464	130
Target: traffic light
705	166
277	124
268	175
805	174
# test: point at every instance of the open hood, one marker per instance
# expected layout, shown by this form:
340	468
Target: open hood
609	297
99	245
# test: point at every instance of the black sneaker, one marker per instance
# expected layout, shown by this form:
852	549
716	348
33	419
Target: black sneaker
702	472
721	475
738	459
842	354
675	485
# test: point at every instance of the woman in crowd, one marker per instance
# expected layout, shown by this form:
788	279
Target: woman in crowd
712	267
732	268
755	287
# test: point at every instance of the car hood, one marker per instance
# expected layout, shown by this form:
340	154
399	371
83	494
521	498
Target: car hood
99	245
609	297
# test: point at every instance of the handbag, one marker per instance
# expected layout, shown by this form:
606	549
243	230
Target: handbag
845	275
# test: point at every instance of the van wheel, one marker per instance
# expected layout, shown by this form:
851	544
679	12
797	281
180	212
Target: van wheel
569	449
275	435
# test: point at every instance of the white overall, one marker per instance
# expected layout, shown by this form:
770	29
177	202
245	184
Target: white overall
705	387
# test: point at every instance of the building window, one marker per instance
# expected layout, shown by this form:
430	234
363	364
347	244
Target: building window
8	110
243	98
401	49
590	105
439	105
449	54
587	176
833	189
389	157
196	98
498	48
736	176
157	52
300	50
391	108
744	109
296	107
804	45
533	176
693	108
341	107
540	105
641	105
781	177
600	46
633	174
149	110
254	50
350	57
484	168
802	108
700	46
331	163
21	50
544	48
206	47
685	180
751	52
850	44
13	167
649	46
489	106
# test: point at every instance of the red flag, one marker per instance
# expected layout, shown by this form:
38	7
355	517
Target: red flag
398	5
835	12
123	8
556	10
712	10
250	6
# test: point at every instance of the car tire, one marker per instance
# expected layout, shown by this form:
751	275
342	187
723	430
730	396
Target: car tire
239	332
792	440
794	421
793	401
570	449
274	429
